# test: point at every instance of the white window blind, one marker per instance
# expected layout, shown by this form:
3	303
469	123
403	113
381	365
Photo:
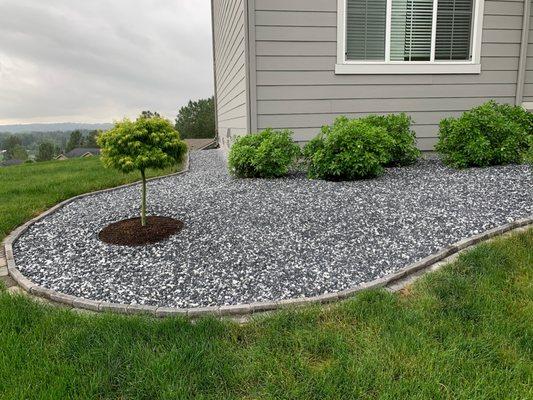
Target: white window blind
411	28
414	35
365	29
454	30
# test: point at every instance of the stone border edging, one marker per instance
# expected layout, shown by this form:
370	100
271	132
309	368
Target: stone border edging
235	310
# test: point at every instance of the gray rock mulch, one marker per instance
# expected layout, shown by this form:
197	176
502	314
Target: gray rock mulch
258	240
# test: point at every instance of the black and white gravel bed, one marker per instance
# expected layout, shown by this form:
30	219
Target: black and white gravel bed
246	241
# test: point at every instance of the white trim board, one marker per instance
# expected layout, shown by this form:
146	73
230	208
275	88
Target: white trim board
407	68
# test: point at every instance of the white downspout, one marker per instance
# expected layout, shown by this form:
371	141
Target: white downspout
523	54
214	70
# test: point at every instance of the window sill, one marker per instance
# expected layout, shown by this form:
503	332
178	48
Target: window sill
407	69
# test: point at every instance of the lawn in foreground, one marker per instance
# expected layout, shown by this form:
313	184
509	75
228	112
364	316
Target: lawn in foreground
463	332
29	189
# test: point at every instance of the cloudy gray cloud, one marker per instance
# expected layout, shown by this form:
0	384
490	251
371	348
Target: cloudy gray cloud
101	60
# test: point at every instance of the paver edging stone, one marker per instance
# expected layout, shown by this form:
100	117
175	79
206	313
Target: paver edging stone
234	310
163	312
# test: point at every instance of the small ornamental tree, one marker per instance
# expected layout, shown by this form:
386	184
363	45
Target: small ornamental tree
148	142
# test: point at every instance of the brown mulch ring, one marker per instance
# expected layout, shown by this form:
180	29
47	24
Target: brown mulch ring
130	232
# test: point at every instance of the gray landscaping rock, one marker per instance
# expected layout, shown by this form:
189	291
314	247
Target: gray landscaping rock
263	241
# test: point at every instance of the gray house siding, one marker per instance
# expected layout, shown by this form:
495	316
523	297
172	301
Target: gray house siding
295	53
230	42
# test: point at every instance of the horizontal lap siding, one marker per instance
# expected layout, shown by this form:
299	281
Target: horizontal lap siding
298	89
230	67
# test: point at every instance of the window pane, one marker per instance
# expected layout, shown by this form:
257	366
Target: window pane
365	29
411	30
454	30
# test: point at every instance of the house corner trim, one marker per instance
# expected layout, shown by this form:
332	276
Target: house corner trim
251	67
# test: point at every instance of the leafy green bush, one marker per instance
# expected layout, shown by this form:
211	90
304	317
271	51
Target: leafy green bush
267	154
518	115
348	150
491	134
403	150
528	154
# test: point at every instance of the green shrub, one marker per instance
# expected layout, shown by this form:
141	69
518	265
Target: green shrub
518	115
528	154
267	154
348	150
403	150
490	134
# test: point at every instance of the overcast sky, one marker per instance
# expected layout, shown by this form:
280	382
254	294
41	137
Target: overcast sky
101	60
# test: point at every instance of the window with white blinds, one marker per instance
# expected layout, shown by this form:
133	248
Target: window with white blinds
454	30
365	29
409	30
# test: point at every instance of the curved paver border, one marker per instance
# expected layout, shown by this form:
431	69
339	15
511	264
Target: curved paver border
237	310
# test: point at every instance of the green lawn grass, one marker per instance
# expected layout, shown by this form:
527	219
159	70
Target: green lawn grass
465	332
29	189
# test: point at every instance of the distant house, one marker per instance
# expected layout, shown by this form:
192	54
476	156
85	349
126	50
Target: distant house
9	163
299	64
79	152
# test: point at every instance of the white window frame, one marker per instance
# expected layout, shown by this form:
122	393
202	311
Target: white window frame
433	66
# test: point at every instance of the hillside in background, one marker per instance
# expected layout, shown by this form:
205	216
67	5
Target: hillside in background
53	127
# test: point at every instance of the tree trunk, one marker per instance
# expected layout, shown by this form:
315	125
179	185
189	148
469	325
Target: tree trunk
143	206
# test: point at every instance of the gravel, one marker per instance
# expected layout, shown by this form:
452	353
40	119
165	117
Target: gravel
260	240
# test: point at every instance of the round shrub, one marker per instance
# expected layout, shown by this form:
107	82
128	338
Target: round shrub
348	150
403	150
267	154
490	134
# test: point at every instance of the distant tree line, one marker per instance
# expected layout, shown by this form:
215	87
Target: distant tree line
44	146
46	151
78	139
197	119
13	148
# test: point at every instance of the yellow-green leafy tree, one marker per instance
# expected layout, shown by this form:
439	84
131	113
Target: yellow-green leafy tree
150	142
